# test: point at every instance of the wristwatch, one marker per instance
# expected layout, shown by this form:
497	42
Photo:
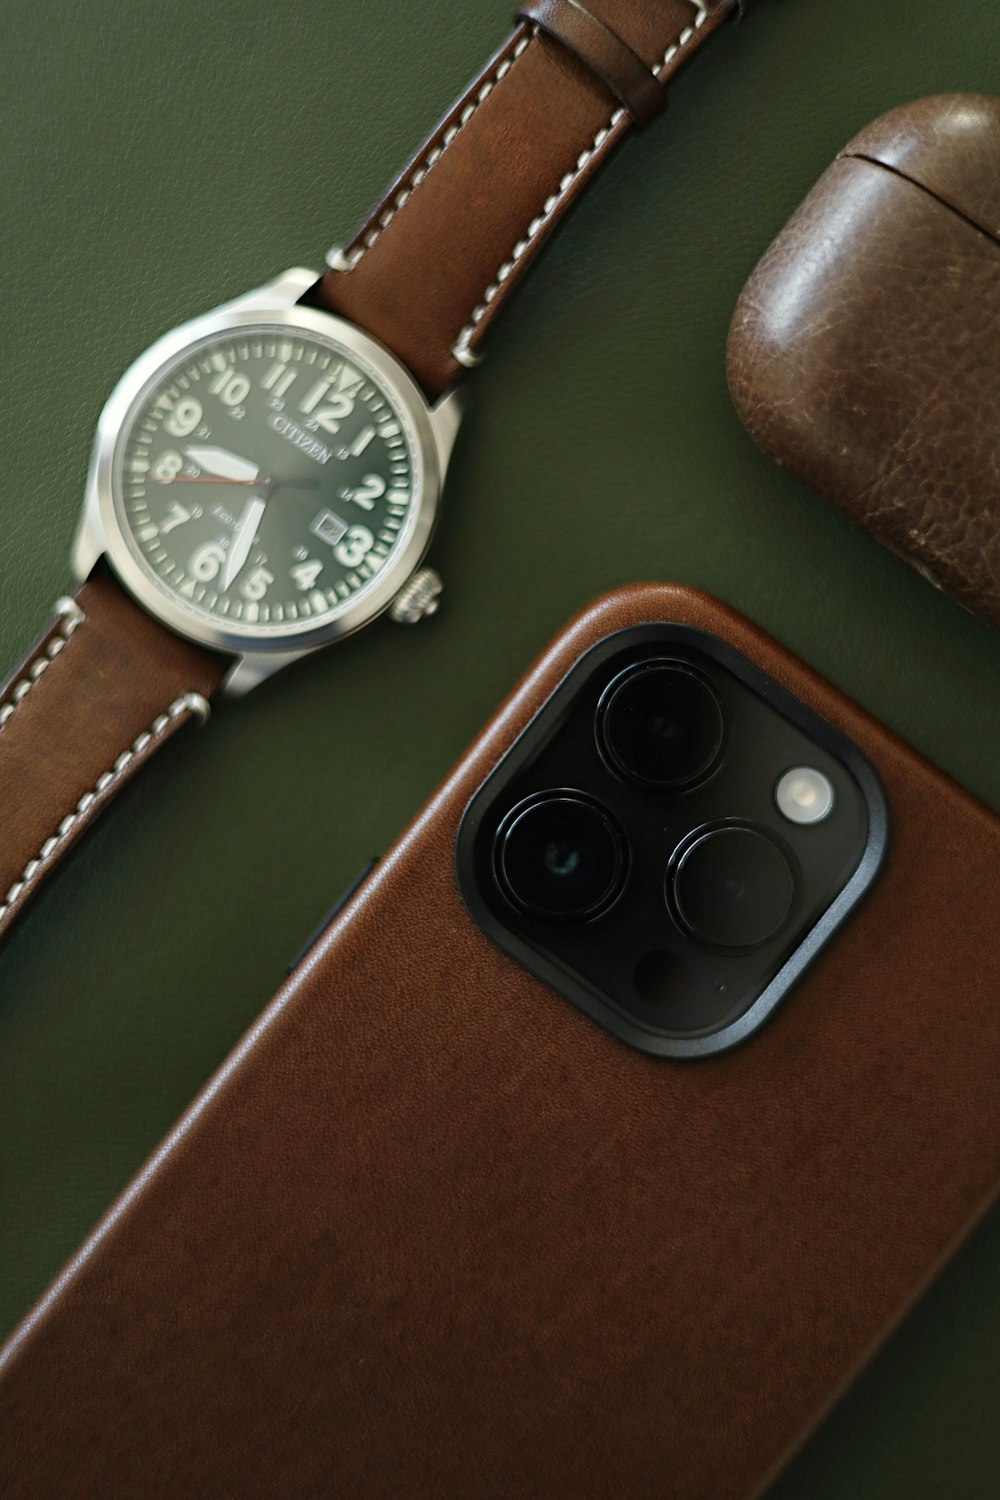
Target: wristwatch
266	478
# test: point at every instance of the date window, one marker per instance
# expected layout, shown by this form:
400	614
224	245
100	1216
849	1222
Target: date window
329	528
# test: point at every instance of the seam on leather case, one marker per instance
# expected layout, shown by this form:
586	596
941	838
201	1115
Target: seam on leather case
420	171
72	617
462	350
188	703
936	197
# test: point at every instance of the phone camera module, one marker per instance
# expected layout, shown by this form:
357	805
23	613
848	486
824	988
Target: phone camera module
661	724
670	841
731	887
561	856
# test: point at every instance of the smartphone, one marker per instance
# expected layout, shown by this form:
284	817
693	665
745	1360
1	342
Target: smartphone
598	1142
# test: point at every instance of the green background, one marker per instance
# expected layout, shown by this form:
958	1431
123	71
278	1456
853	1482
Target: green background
158	158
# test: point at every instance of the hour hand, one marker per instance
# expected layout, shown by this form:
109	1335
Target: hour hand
225	465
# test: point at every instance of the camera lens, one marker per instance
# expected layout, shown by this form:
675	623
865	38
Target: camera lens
561	856
731	887
661	724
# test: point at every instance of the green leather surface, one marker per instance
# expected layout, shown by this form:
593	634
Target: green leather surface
155	159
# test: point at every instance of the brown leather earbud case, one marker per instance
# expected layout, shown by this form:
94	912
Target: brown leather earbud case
864	354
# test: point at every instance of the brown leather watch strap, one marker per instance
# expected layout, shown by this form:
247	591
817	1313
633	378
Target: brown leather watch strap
97	696
603	51
429	269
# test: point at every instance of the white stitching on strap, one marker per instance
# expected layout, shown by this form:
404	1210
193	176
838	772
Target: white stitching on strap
192	703
72	617
351	258
461	351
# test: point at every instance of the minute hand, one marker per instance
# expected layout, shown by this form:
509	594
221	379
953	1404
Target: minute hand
246	530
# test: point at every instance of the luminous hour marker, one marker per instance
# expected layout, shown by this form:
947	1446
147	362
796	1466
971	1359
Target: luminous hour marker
306	573
148	533
359	445
278	378
177	516
315	396
349	380
318	601
365	494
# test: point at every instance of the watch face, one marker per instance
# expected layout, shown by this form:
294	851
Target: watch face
265	479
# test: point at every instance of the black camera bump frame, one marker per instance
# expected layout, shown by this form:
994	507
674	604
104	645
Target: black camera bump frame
486	809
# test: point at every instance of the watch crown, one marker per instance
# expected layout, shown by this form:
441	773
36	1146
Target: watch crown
418	599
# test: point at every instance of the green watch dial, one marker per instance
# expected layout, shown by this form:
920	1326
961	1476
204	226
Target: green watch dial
265	479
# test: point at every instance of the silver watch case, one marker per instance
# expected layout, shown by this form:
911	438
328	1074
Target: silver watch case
100	533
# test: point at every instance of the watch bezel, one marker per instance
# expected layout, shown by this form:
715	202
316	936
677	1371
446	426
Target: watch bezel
114	425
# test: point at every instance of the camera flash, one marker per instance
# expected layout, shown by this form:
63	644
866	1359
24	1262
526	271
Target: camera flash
804	795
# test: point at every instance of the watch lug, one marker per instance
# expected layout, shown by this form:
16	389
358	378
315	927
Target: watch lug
88	549
248	672
90	543
283	291
446	418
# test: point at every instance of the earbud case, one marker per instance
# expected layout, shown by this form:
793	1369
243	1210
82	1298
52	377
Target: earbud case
864	354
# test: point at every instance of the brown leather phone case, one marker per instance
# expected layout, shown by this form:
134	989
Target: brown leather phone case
430	1232
863	355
